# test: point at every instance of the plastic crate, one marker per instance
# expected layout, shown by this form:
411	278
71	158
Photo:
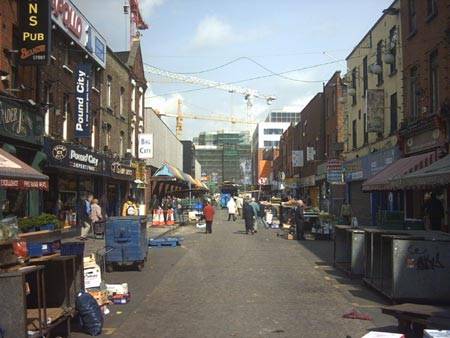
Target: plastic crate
72	249
41	249
48	227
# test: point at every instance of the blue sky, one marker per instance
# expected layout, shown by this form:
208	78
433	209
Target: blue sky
194	35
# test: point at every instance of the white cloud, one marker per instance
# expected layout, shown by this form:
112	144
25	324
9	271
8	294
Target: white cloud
213	31
147	6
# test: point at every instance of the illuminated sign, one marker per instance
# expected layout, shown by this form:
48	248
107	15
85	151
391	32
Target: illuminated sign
68	17
34	22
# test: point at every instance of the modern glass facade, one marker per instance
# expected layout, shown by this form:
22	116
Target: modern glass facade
281	116
224	156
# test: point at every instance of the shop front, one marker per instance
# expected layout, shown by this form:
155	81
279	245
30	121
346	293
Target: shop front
21	129
74	172
310	190
118	186
366	204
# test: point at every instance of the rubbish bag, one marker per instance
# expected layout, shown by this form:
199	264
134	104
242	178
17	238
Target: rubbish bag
91	318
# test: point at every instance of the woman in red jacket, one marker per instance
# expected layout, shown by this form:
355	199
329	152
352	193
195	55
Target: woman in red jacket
208	213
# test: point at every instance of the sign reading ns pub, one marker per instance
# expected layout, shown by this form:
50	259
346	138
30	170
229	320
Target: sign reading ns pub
35	31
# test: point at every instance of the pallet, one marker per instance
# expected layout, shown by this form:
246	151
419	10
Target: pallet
165	242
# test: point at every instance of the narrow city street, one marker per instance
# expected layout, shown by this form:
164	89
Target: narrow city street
229	284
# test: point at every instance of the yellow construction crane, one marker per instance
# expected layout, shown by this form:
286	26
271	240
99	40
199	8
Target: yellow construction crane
180	116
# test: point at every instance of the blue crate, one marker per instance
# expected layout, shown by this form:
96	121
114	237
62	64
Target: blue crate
49	227
41	249
165	242
72	249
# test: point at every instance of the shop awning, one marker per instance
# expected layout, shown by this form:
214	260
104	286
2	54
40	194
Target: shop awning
15	174
383	181
189	179
169	173
436	174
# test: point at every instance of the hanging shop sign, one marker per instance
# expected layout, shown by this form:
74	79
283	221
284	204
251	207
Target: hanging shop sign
35	31
122	171
20	121
297	158
374	108
67	16
310	154
82	100
73	156
145	146
335	173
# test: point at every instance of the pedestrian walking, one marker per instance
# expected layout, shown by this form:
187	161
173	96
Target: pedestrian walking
129	207
248	214
255	207
85	216
231	206
96	211
435	212
208	213
299	221
239	205
346	212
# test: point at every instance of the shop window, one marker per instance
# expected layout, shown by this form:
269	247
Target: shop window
434	82
413	93
412	16
394	113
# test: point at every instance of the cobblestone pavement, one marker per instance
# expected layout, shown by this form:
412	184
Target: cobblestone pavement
229	284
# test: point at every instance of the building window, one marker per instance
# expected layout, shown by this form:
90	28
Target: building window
93	134
108	91
380	62
434	82
431	8
121	98
47	111
393	49
394	113
121	149
366	134
413	93
354	135
133	94
273	131
354	85
359	114
66	59
96	78
140	102
412	16
65	116
108	136
271	144
365	77
133	141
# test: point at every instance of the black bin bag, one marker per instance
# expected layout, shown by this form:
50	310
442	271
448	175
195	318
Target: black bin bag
91	318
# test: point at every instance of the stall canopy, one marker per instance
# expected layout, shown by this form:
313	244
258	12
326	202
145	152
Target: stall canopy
169	173
383	181
15	174
436	174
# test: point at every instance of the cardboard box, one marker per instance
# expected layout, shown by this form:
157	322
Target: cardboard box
92	277
100	296
290	236
120	289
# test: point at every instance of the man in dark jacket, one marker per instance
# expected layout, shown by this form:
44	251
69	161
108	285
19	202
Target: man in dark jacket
299	221
435	212
248	214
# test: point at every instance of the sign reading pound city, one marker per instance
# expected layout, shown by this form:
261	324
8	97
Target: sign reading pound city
82	98
35	31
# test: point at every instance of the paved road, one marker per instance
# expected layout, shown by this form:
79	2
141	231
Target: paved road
229	284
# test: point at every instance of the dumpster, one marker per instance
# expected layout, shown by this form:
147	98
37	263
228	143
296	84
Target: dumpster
349	250
126	241
416	268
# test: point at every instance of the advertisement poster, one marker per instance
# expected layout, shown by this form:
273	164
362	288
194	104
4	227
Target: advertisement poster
35	31
297	158
374	107
82	100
